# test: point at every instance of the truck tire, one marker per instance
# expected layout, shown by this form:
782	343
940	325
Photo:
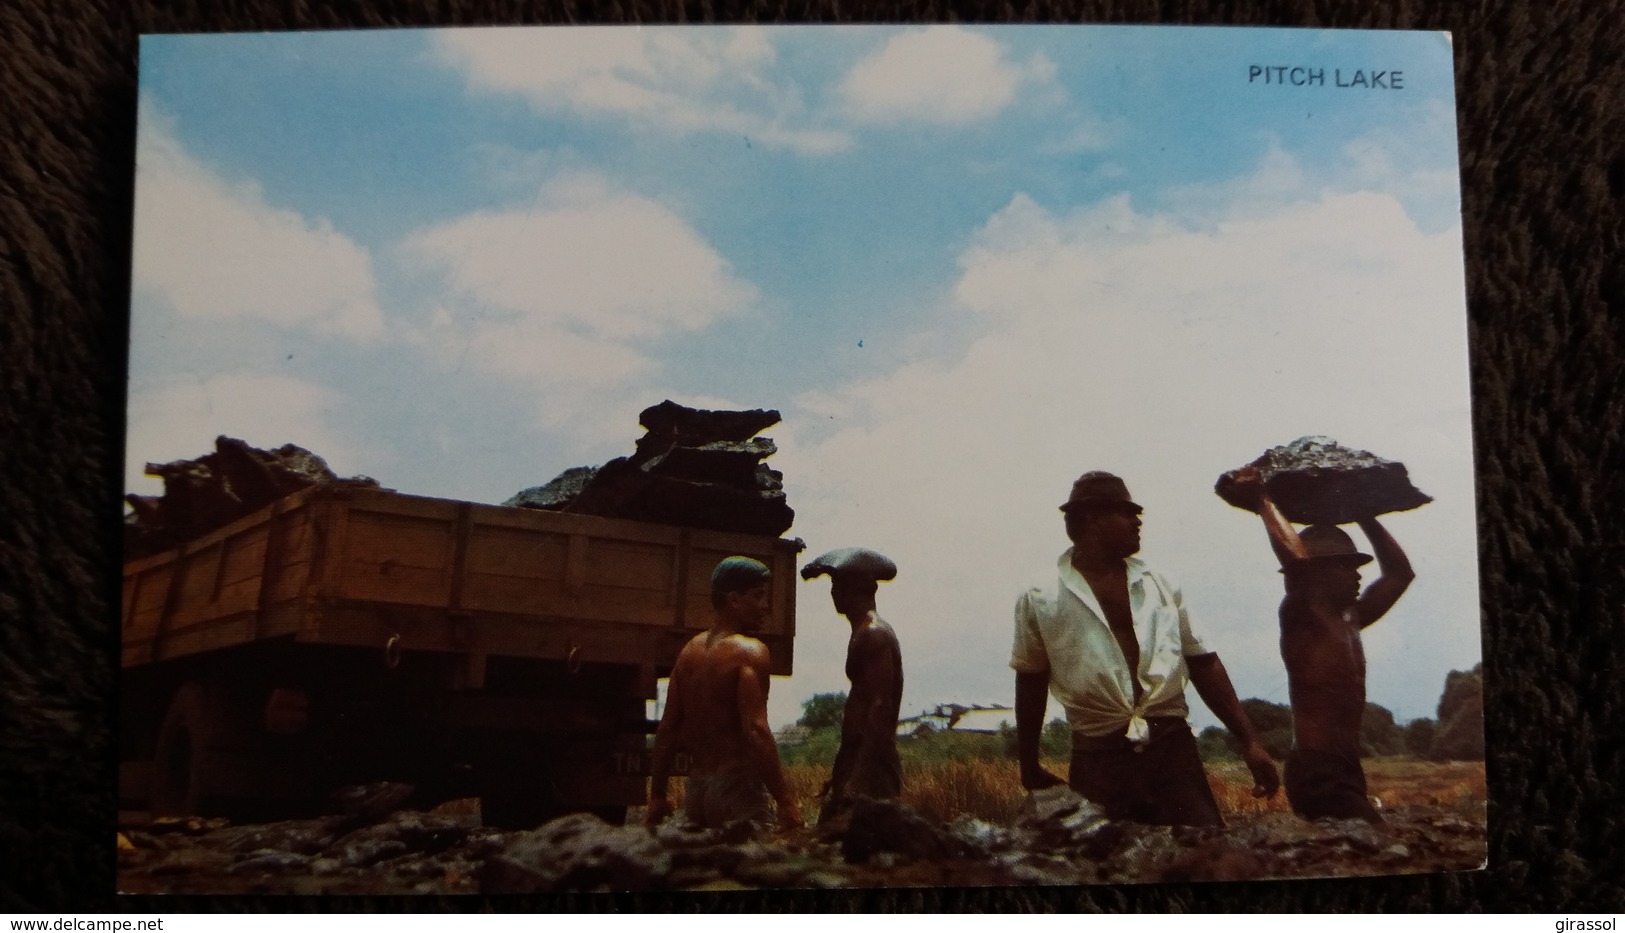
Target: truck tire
181	778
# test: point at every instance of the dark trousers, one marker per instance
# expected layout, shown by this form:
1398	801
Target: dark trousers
1327	784
1158	782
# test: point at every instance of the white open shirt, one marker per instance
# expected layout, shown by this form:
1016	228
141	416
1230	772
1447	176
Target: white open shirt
1061	629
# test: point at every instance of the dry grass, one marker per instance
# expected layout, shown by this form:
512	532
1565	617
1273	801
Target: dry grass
1406	782
805	782
986	789
1232	786
990	789
1397	782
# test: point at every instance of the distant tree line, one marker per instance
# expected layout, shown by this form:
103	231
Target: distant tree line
821	716
823	710
1456	735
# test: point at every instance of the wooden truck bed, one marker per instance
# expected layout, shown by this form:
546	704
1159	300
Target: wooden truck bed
373	568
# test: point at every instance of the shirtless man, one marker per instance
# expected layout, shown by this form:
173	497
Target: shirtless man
867	764
716	709
1321	619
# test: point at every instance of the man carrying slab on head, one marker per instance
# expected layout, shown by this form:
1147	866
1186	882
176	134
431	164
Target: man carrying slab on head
1114	642
867	764
1322	615
716	710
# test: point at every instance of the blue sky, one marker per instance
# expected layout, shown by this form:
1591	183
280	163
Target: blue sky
967	264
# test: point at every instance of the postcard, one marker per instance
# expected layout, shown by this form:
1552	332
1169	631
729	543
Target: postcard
671	458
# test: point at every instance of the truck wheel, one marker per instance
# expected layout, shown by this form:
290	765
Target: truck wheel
180	775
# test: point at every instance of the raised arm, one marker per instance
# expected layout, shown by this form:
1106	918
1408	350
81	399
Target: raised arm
1283	537
1396	573
764	752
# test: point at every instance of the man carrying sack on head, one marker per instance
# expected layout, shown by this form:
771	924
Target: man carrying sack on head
867	764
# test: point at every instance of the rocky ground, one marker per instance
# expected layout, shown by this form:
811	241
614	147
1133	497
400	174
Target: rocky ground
1059	839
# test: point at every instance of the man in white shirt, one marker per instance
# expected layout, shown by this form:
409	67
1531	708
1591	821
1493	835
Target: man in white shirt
1104	616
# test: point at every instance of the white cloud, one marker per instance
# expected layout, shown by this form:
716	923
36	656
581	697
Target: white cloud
563	295
178	420
1277	183
943	75
1167	350
214	250
1421	171
529	351
587	259
686	80
1383	162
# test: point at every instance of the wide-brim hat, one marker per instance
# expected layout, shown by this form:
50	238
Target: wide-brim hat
854	563
1097	487
1329	542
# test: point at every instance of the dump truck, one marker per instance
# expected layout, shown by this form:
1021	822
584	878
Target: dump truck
344	635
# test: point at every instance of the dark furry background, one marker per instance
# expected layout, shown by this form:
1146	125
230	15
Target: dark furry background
1542	128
